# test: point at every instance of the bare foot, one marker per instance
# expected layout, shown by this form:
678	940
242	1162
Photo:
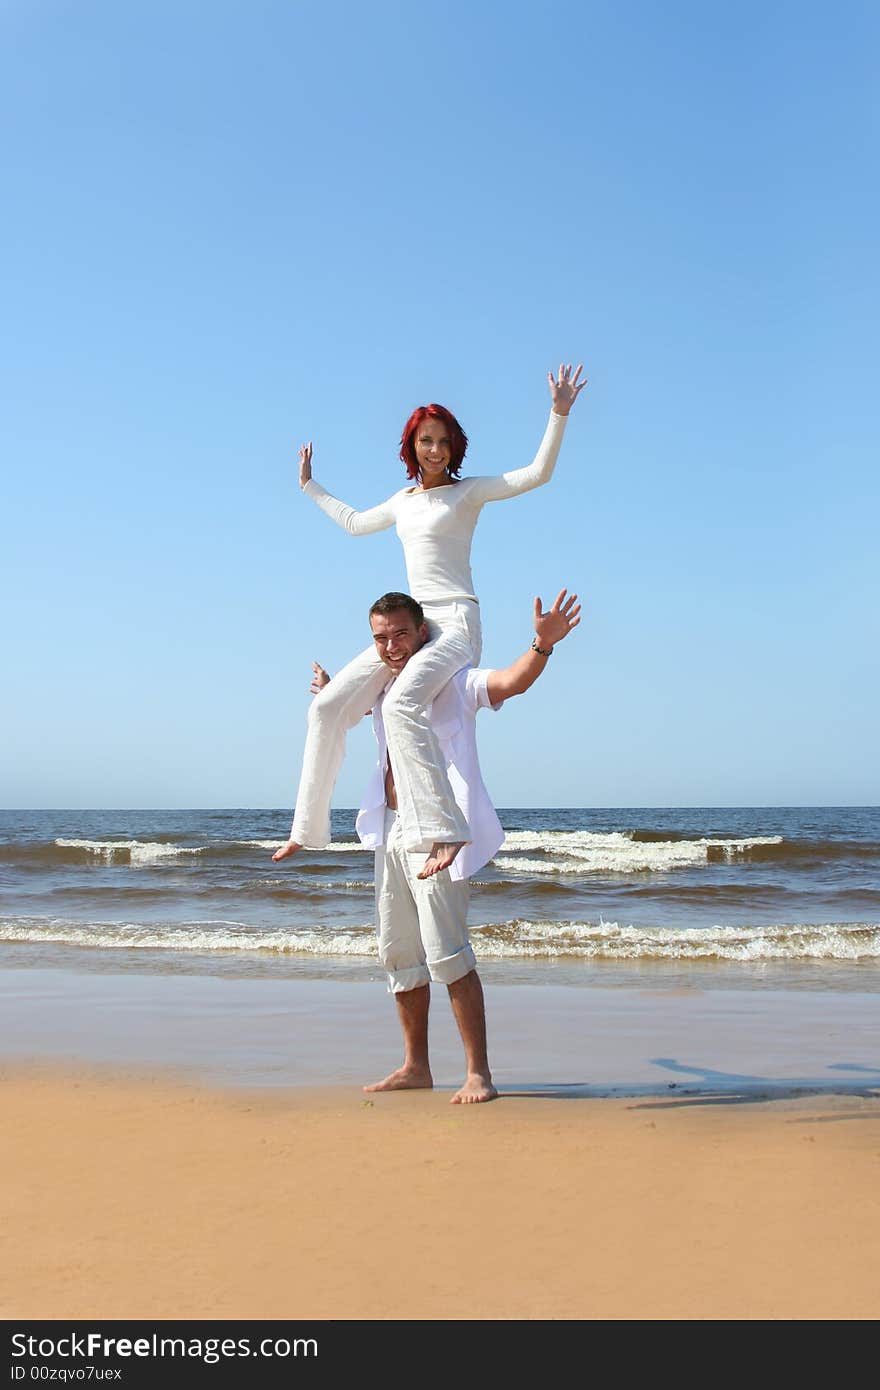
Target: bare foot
441	856
286	851
475	1089
405	1079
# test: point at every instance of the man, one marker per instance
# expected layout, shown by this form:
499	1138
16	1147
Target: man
422	921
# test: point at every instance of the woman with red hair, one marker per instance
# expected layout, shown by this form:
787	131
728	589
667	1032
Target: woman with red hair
435	521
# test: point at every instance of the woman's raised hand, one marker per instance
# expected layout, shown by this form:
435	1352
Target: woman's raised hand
320	678
305	463
566	390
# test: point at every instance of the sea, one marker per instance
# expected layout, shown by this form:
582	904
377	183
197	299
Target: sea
761	897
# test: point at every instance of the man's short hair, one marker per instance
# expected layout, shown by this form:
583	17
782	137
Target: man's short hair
392	603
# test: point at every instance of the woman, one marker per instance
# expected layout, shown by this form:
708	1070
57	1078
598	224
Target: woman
435	521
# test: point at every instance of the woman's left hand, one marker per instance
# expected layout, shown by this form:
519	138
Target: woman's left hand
566	390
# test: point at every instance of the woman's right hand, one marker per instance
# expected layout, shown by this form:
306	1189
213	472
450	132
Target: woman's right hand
305	463
320	678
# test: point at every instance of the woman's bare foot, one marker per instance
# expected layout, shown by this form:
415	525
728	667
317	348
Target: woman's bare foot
286	851
405	1079
475	1089
441	856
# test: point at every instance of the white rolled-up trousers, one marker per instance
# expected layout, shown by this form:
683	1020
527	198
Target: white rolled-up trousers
426	806
421	924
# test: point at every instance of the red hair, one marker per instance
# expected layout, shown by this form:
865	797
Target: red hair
457	438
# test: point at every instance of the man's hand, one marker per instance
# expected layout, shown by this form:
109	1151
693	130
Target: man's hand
566	390
552	626
305	463
320	678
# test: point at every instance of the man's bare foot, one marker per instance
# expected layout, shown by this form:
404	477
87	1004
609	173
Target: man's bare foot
441	856
475	1089
405	1079
286	851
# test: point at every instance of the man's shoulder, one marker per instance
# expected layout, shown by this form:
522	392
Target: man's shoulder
471	687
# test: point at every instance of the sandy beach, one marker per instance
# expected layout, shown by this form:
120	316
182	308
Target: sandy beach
131	1197
655	1154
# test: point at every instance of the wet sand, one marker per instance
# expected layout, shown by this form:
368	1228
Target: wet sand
576	1041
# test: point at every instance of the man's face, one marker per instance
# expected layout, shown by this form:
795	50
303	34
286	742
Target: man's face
396	637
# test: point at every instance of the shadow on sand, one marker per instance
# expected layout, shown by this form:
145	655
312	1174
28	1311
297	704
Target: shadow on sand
706	1086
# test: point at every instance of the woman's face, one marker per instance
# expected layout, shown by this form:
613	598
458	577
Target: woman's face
433	452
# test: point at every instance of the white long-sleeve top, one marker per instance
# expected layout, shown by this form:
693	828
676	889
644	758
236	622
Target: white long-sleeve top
436	526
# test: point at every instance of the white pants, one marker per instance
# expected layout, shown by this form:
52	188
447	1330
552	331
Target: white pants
427	807
421	923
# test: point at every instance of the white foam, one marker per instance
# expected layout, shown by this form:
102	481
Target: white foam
608	940
220	936
139	851
518	939
582	851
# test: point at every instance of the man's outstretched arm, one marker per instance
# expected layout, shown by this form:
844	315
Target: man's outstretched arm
550	628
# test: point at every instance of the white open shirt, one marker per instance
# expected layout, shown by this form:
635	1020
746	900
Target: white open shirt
453	716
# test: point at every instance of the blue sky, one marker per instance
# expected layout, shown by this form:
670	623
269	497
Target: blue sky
232	227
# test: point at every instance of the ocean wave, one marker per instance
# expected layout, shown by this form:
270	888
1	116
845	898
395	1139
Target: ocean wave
125	851
545	886
557	853
519	939
602	940
648	836
127	894
583	851
137	853
806	853
205	937
70	852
